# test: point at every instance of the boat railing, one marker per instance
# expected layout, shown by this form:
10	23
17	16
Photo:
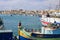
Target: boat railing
32	30
54	26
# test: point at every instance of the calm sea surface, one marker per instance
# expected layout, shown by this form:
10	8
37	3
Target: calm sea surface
28	22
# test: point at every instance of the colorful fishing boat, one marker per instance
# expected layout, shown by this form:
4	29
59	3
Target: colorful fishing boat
23	35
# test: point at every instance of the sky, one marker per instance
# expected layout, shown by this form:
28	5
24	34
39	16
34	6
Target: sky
28	4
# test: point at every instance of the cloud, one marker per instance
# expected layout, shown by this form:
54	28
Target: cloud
28	4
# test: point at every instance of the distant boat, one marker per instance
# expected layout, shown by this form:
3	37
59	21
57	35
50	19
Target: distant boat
56	14
11	14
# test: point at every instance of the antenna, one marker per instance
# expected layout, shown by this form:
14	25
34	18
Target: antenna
59	4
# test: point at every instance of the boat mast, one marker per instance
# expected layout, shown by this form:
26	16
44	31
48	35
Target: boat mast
58	6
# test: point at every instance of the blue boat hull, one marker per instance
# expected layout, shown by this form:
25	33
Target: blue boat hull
6	36
46	35
23	38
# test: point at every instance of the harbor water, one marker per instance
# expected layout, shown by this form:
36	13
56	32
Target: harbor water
28	22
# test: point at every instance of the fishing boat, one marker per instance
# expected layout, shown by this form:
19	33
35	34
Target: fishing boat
23	35
50	28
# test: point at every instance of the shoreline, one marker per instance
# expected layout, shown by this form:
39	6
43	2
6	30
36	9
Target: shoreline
32	12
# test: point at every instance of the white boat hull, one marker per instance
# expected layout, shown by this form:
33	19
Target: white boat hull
45	21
